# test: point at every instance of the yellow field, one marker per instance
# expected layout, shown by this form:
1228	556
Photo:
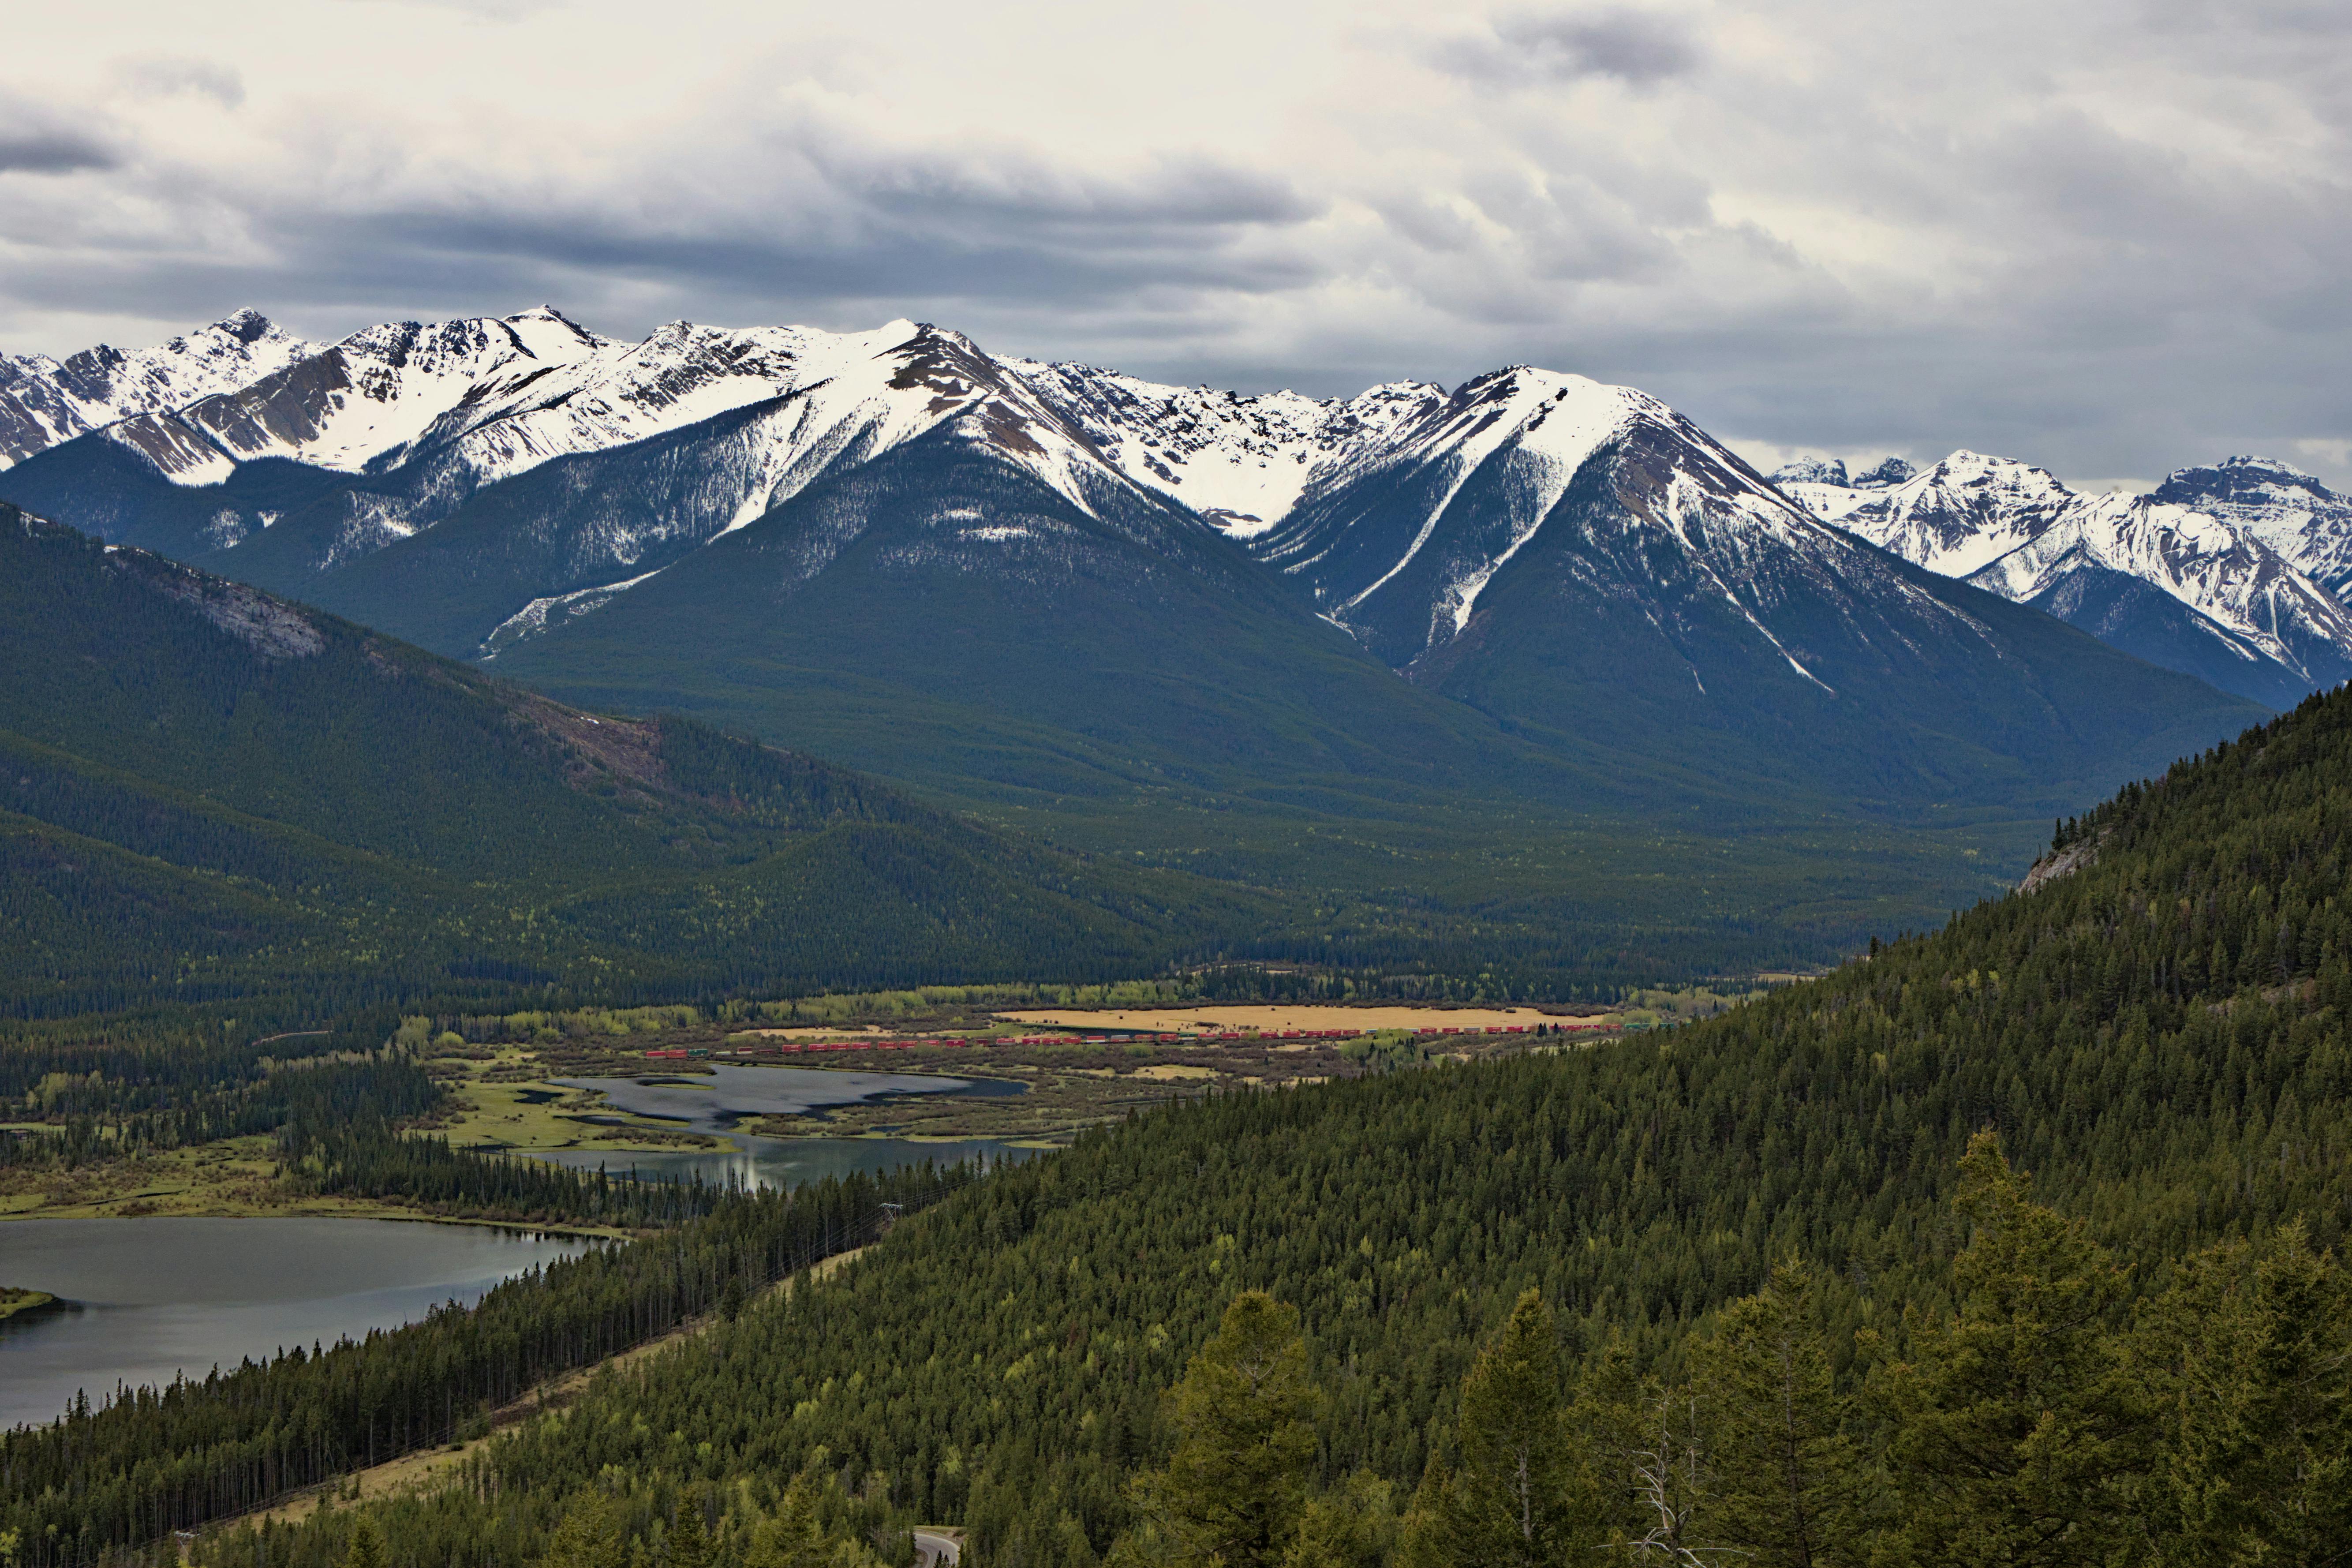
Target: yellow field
1222	1019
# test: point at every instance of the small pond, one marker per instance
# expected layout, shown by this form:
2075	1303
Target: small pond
788	1161
716	1101
142	1300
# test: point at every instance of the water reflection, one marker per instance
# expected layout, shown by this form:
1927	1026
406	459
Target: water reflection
774	1163
716	1101
149	1300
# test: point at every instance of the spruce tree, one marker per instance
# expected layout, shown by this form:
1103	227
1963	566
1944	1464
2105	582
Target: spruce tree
795	1536
1507	1501
690	1544
366	1549
2248	1358
2016	1433
1786	1466
1244	1414
588	1537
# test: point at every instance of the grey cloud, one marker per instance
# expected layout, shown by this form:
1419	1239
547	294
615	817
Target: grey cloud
803	231
1840	243
1639	47
1174	197
46	151
35	139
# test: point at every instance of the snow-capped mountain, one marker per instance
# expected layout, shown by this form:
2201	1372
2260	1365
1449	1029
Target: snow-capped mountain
1399	543
1564	554
393	431
1959	515
2291	512
836	515
2188	577
44	401
1242	462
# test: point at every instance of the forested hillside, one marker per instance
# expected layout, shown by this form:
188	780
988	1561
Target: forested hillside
212	795
1807	1204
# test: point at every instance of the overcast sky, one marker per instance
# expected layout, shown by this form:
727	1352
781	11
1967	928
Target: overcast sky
2107	237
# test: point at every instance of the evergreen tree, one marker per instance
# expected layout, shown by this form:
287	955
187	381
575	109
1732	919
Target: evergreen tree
1245	1412
588	1537
688	1545
1785	1461
1513	1494
2248	1358
1355	1527
795	1536
366	1549
2016	1433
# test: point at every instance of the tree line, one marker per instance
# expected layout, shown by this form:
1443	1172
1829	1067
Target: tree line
2161	1038
2038	1421
109	1478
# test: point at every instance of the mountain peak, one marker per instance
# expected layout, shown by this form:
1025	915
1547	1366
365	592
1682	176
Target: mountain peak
1810	471
247	325
2234	477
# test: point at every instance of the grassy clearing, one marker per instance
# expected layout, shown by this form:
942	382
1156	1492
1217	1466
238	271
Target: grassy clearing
235	1179
504	1099
14	1299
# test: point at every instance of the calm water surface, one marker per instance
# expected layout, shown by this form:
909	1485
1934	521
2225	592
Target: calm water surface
715	1101
787	1162
152	1299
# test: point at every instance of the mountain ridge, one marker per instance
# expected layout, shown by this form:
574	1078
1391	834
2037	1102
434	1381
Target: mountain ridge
2204	574
1535	610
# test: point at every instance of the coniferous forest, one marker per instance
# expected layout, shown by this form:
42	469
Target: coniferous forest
2018	1242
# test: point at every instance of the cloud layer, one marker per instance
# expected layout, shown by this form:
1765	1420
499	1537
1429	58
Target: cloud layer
2107	237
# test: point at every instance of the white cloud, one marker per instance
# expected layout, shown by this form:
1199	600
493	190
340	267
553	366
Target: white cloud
2105	238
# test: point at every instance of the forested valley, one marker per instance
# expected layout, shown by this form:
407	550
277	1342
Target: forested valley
2013	1243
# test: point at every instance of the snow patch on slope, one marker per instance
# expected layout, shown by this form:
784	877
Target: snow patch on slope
554	609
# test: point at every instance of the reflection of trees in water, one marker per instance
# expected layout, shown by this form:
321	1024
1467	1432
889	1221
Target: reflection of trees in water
779	1162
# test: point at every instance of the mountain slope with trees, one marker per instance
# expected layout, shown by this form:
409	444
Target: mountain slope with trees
210	793
1139	619
2138	1356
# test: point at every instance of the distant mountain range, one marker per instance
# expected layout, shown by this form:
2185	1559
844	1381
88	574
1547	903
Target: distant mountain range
2234	573
1254	636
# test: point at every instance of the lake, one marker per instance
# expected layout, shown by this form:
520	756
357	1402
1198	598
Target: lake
151	1298
715	1101
787	1162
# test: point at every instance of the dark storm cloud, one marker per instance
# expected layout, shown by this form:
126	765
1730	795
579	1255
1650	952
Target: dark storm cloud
1176	197
37	152
900	235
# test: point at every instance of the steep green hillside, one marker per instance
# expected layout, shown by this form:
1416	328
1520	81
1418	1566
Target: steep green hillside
2157	1033
208	792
